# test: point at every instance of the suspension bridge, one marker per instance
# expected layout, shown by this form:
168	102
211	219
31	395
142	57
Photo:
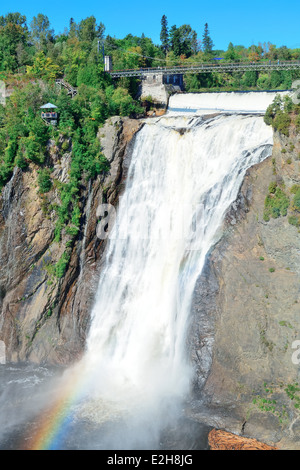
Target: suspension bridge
207	68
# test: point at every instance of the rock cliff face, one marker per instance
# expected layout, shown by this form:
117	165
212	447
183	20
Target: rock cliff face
246	314
45	319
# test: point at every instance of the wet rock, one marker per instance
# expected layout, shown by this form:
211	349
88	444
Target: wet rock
222	440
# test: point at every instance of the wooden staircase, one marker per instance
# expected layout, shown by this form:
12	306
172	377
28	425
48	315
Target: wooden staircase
71	90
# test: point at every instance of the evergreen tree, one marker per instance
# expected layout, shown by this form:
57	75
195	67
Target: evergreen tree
175	40
164	34
207	42
194	43
72	28
143	46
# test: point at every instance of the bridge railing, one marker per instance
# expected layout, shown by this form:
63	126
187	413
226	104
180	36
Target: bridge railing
208	67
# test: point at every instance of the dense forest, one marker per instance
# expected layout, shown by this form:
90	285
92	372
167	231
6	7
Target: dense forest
77	54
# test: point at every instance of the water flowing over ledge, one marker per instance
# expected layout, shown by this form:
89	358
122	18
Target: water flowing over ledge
232	102
184	174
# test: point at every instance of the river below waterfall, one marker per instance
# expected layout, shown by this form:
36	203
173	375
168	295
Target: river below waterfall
25	393
131	387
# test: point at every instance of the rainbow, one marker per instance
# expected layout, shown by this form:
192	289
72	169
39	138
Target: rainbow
55	421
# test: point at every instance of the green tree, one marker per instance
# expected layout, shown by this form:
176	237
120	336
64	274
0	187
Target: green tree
22	55
188	39
183	40
282	122
89	75
74	57
207	43
231	54
13	38
14	18
41	32
194	43
164	34
89	30
283	53
44	180
250	78
175	40
73	29
276	79
43	67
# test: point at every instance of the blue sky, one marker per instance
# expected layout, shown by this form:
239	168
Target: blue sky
240	22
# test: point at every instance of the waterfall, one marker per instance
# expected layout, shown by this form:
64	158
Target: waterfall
232	102
185	171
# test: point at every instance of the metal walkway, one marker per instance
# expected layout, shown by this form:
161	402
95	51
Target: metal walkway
206	68
70	90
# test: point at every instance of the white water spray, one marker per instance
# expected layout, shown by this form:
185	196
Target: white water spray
184	174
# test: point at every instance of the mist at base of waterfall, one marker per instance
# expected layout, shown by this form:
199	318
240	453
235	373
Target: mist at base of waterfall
26	390
136	434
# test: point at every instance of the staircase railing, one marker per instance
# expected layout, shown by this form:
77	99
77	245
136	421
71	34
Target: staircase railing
70	89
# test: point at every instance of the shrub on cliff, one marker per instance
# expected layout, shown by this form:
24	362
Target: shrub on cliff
278	114
282	122
120	102
272	187
276	204
293	220
44	180
296	201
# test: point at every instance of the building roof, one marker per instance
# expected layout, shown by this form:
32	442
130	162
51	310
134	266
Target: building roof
48	106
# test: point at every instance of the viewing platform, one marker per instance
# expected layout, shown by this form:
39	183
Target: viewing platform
49	114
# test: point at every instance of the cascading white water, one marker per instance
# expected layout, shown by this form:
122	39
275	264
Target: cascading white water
242	102
185	172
